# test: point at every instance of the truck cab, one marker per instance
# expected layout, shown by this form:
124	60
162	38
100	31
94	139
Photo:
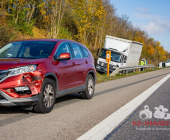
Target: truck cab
124	53
118	59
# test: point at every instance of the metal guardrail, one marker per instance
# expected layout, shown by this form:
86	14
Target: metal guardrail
136	67
133	68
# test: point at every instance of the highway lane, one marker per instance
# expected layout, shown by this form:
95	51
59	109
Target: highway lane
73	116
135	128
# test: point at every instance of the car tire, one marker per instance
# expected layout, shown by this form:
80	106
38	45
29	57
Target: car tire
47	97
90	86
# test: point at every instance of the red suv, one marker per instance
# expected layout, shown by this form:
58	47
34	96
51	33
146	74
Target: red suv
36	72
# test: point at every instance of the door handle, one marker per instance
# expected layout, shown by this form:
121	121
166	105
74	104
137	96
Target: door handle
74	63
86	62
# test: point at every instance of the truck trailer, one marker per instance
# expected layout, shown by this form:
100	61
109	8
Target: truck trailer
124	53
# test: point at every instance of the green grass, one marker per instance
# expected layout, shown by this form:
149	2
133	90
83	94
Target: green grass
103	77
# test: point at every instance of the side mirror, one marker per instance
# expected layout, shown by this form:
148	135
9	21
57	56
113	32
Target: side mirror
63	56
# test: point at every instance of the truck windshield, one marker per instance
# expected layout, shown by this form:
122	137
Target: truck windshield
114	57
27	49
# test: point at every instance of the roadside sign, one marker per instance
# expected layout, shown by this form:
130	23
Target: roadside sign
108	59
108	56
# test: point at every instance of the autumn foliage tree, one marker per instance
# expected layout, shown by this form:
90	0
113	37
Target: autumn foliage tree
86	21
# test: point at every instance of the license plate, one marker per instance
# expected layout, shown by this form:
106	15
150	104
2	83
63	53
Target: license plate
102	64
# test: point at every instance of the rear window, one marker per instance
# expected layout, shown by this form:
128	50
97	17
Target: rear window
76	51
85	52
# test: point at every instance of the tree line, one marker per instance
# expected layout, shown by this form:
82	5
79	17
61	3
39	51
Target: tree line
86	21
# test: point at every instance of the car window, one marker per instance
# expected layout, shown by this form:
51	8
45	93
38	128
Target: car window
37	49
76	51
27	49
11	50
85	52
63	48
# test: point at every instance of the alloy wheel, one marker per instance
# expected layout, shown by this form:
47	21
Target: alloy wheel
90	86
48	95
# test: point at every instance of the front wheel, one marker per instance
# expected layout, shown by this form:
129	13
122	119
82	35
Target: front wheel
89	92
47	97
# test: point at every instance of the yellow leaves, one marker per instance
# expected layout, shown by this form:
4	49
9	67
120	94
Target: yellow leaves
41	5
38	33
158	43
162	51
138	38
43	12
90	16
53	3
150	50
164	58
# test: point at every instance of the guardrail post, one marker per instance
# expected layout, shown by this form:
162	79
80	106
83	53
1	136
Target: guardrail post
139	69
127	72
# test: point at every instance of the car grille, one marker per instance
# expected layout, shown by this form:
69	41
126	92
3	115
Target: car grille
3	74
102	64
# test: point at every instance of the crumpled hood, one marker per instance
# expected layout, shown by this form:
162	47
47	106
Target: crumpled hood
8	63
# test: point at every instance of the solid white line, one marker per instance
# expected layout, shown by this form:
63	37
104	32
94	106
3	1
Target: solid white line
102	129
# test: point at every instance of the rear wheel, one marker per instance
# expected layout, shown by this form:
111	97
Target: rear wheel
89	92
47	97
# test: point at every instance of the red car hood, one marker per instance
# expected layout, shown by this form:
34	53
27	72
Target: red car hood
7	63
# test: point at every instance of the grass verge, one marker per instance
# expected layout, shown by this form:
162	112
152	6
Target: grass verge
103	77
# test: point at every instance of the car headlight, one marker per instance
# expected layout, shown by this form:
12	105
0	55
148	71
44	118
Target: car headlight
20	70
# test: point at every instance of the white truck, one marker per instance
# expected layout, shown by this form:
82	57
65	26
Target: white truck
124	53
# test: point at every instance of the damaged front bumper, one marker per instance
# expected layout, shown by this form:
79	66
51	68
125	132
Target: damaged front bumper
10	89
6	100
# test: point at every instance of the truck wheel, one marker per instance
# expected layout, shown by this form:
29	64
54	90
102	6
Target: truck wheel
47	97
89	92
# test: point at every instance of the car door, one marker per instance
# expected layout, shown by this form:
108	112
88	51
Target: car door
81	62
67	70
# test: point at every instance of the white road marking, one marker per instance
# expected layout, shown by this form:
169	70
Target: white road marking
102	129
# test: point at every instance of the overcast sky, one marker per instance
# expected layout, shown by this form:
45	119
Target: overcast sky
152	16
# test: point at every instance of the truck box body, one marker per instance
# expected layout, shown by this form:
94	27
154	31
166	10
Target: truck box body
131	49
130	52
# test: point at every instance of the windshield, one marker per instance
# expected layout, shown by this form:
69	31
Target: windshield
114	57
27	49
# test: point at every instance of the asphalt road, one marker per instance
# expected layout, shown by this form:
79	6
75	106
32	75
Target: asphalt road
73	116
145	128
